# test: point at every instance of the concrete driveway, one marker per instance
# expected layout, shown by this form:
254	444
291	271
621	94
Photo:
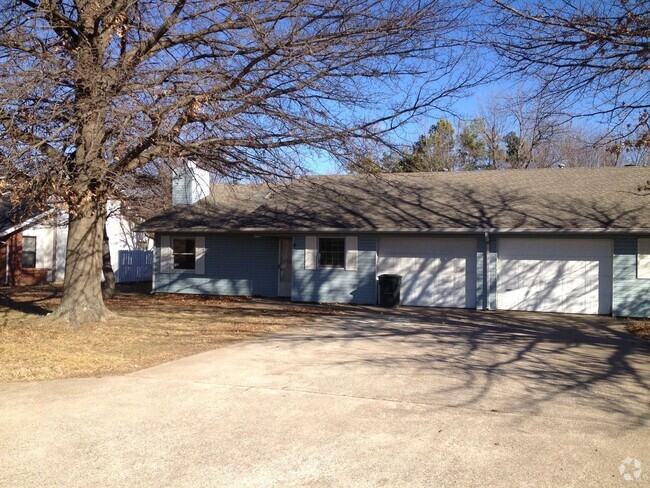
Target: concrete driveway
416	397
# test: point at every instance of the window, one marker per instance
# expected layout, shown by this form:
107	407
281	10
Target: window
331	252
328	252
184	251
29	252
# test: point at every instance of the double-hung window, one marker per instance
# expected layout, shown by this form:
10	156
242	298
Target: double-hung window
29	252
331	252
184	253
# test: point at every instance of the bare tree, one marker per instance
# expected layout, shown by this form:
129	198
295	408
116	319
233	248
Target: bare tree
92	91
578	146
491	125
592	56
519	130
535	122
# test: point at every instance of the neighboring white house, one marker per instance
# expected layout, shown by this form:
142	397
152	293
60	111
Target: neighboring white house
34	250
50	236
122	235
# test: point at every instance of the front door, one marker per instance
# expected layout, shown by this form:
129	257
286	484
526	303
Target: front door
284	268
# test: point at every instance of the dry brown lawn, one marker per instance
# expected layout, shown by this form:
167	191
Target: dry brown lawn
150	329
640	328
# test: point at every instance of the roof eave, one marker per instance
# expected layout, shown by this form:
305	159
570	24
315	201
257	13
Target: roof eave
442	230
26	223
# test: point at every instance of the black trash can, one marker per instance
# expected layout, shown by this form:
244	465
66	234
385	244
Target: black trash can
389	290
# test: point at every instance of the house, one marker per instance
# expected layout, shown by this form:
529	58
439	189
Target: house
550	240
28	252
33	242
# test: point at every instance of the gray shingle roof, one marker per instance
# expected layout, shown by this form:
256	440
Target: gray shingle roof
580	199
13	214
6	220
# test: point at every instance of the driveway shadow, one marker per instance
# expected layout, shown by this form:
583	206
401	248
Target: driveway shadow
577	360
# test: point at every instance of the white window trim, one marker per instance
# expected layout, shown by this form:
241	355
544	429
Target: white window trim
351	259
166	257
311	252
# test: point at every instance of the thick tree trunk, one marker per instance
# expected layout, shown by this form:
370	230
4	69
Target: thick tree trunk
82	295
108	285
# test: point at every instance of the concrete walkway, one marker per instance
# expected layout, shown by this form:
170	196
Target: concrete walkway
410	398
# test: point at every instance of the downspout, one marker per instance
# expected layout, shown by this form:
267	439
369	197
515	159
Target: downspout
153	266
6	245
486	274
55	243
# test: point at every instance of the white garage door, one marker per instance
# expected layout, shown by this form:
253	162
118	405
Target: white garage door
555	275
436	272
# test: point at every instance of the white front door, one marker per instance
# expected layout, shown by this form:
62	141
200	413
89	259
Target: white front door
436	272
555	275
284	267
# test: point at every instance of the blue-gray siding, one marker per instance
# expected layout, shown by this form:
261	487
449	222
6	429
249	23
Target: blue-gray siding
481	276
631	296
492	274
234	265
248	265
333	284
181	188
486	276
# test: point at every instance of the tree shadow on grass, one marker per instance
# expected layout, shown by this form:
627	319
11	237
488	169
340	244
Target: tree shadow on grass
28	300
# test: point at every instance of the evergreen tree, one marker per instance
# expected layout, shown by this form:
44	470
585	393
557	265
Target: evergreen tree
433	151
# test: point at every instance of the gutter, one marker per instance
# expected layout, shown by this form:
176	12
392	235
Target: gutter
55	244
443	230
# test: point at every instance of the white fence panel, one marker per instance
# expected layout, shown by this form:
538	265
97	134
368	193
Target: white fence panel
134	266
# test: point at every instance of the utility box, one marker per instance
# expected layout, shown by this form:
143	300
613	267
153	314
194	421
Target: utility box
389	290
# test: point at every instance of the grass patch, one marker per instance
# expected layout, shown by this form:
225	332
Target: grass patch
640	328
150	329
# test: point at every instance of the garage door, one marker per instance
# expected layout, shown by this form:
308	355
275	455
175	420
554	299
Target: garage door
436	272
555	275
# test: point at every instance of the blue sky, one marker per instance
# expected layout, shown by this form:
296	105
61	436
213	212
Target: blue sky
465	108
